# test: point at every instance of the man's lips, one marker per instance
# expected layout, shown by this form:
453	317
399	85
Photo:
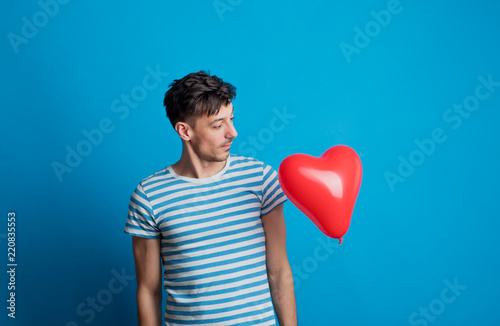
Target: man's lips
226	146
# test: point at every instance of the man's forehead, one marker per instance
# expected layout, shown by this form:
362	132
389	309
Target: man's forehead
223	112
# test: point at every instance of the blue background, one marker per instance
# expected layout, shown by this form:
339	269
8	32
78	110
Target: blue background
408	239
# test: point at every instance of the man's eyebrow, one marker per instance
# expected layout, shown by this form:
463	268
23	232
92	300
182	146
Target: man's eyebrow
216	120
220	119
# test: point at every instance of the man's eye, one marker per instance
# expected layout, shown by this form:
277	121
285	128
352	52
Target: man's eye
217	127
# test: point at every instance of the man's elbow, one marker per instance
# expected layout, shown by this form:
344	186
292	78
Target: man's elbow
282	274
153	292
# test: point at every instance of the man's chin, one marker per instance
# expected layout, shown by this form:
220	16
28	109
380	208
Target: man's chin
219	158
224	157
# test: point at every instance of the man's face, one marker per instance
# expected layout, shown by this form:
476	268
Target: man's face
212	136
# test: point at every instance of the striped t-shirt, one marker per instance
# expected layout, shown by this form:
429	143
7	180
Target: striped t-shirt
212	241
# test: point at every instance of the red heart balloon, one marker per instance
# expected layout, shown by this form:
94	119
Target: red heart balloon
324	188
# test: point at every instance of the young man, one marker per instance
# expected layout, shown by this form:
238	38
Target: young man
215	220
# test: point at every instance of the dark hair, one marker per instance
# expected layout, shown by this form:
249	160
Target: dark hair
195	95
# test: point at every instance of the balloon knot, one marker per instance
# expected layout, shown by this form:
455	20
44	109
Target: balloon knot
340	241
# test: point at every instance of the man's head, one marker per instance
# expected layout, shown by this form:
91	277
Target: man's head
200	110
196	95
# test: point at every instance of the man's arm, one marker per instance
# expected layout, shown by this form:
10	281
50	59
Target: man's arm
148	270
278	268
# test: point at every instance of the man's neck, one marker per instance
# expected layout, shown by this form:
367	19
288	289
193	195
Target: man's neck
191	166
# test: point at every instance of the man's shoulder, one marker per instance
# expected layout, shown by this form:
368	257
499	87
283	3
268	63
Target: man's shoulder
245	161
161	175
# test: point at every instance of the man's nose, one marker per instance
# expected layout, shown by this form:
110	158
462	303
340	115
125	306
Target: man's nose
231	132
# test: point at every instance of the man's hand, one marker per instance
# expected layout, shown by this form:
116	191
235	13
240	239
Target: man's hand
149	278
278	269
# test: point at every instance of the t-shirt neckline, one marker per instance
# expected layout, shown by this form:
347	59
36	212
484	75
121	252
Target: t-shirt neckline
201	180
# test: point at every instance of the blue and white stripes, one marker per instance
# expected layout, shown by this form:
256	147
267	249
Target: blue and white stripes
212	241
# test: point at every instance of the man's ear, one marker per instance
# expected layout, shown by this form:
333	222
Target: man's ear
183	129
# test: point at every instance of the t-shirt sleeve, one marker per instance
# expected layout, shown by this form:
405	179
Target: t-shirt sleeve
272	194
141	220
